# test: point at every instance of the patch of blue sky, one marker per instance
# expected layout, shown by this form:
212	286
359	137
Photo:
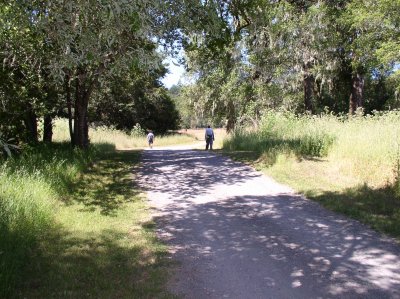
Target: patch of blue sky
175	73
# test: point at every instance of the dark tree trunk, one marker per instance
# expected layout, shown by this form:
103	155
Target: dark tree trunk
75	130
317	93
230	126
48	129
308	87
31	125
357	92
308	84
69	107
81	127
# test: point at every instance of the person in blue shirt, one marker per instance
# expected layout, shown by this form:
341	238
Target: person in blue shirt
209	136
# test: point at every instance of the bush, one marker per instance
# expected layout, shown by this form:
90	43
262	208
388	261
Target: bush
138	131
315	145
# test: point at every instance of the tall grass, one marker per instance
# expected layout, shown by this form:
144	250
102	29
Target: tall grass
283	133
29	188
67	213
364	147
25	212
351	165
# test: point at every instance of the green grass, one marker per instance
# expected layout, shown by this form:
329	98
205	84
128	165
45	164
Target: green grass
29	188
378	207
356	173
73	224
101	246
283	134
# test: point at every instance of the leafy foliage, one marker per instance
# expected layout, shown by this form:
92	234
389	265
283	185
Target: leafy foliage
137	98
291	55
58	55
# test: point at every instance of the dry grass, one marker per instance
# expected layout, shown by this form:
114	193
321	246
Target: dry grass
219	133
121	140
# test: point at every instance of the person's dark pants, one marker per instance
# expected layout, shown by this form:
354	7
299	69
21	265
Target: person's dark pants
209	143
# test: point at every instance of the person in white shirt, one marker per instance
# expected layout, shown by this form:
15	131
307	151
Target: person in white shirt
209	136
150	138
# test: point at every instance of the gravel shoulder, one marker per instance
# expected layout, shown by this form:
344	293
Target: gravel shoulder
236	233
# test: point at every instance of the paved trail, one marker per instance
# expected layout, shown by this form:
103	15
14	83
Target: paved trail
236	233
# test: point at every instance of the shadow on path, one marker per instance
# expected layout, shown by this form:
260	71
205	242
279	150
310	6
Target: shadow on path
238	234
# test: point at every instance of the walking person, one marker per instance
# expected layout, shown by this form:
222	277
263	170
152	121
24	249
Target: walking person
209	136
150	138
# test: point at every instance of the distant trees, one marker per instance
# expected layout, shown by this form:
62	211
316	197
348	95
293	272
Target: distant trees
305	56
136	97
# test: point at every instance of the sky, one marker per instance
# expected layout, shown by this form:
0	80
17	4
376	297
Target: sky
175	74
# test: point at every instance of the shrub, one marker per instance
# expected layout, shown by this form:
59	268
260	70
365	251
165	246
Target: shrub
138	131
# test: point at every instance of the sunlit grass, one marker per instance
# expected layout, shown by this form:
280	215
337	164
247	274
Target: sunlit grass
356	175
100	247
173	139
120	139
73	223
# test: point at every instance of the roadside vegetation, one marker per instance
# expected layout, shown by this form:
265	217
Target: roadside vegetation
350	165
73	223
68	210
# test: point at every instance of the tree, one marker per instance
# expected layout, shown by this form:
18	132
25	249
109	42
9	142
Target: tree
91	41
26	91
135	98
378	23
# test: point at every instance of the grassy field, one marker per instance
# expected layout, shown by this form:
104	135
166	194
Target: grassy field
348	165
120	139
74	224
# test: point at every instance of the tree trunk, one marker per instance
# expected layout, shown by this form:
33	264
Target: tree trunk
81	127
31	125
69	107
317	92
357	93
308	86
48	129
80	121
230	126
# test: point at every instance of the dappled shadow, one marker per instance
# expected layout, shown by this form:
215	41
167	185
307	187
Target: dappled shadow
109	183
380	207
252	238
102	265
180	173
281	243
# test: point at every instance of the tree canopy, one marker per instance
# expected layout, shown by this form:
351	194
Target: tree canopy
65	57
305	56
100	62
